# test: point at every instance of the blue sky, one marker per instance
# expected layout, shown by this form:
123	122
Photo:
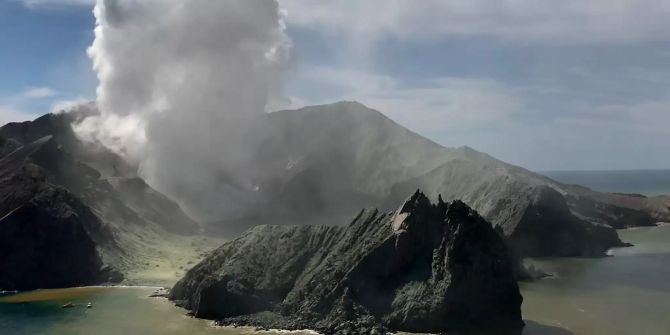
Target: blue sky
543	84
43	58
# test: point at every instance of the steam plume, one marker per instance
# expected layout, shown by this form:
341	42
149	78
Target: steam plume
183	88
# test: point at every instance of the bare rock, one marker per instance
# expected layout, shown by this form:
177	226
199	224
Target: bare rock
424	268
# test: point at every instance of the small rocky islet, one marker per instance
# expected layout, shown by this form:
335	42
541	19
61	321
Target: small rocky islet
424	268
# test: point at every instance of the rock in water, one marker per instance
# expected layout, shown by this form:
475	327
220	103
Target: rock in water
424	268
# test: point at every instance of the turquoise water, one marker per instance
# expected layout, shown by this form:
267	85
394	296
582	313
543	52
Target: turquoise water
628	293
647	182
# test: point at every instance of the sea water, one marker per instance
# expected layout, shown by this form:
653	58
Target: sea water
646	182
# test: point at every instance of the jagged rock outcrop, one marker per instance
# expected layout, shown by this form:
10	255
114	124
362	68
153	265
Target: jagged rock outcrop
423	268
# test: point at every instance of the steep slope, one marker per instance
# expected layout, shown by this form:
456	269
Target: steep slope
320	164
531	210
101	178
351	144
46	243
130	226
7	146
323	162
423	268
48	237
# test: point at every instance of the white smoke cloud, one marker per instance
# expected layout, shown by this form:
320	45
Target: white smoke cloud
183	87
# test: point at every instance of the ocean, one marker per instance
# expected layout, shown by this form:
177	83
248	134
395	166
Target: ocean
646	182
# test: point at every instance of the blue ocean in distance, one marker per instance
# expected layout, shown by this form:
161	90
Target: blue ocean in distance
645	182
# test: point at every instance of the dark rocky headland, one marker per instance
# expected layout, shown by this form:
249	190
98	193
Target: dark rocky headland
73	214
424	268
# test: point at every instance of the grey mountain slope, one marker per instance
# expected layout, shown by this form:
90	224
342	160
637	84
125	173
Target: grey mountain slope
88	191
358	145
327	161
322	163
101	178
529	208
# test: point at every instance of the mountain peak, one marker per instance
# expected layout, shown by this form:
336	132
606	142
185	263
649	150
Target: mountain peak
352	105
340	107
416	201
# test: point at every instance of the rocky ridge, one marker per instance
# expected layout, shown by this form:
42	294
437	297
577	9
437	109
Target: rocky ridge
422	268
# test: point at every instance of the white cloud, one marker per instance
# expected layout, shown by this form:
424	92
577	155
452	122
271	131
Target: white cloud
439	105
594	137
647	116
9	114
64	106
544	21
39	92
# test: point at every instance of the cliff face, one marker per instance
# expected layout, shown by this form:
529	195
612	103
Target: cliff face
48	238
424	268
548	228
73	214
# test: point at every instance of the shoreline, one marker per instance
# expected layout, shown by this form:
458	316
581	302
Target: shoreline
84	287
64	293
656	225
257	330
77	292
